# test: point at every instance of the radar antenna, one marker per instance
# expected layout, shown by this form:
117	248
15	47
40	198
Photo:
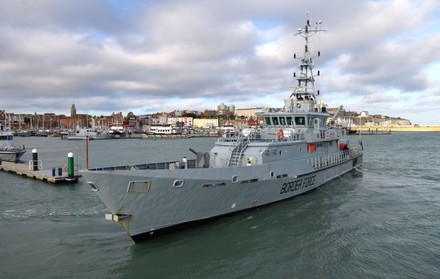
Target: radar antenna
304	95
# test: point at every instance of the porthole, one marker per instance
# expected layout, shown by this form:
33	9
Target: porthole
178	183
93	186
234	179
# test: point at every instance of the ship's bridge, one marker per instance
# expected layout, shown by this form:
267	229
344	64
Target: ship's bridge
296	125
289	120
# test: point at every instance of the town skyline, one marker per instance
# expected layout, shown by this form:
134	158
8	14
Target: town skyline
226	115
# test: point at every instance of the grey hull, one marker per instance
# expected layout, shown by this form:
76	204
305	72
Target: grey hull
11	155
147	202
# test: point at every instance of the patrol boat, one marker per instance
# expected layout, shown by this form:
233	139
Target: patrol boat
296	152
8	150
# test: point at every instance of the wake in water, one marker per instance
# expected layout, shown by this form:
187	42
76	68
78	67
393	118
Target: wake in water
360	169
357	169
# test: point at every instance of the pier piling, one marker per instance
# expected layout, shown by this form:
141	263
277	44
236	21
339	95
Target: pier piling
70	165
34	159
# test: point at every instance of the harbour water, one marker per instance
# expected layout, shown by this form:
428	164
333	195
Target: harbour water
382	221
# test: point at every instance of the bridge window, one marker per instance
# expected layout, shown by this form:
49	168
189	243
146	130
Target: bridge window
275	121
316	121
268	122
310	121
301	120
283	121
289	120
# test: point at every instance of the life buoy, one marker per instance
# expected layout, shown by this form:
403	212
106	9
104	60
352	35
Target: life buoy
280	135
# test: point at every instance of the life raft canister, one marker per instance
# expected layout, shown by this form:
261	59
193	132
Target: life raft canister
280	134
342	146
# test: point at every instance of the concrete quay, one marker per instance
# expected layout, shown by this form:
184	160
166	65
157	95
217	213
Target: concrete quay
44	175
394	128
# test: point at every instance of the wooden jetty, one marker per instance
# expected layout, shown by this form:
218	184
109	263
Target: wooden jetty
25	170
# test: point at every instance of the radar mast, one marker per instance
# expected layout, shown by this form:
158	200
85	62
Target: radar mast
304	96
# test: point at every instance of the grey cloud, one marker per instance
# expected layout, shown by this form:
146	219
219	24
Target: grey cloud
89	53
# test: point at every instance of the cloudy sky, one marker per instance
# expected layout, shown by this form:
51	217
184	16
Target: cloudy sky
146	56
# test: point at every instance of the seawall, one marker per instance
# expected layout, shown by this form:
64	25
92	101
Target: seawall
396	128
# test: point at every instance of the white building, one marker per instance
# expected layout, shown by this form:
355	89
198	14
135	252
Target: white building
249	112
205	122
187	121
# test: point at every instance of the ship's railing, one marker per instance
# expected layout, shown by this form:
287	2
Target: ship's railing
10	146
334	158
237	136
259	137
294	137
37	163
189	164
354	152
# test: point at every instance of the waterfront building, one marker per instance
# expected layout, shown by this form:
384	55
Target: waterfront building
205	122
163	118
225	110
210	113
178	121
79	120
249	112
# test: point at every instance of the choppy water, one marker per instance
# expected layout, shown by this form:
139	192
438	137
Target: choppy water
382	222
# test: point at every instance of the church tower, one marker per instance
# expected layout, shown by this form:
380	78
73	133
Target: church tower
73	111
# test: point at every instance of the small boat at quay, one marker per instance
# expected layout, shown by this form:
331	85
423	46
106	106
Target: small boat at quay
160	130
8	150
117	130
297	151
83	133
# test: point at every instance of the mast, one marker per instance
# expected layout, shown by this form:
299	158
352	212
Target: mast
304	96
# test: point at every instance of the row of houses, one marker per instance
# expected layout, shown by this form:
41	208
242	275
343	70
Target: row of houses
207	119
352	118
225	116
